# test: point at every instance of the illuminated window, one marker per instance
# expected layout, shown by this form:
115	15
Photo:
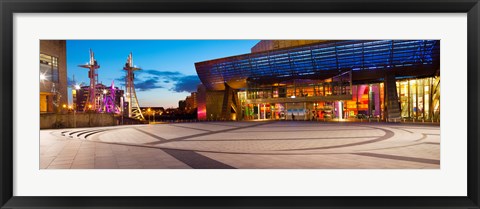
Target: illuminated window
49	67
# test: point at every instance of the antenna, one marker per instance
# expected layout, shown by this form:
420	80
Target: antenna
92	66
134	110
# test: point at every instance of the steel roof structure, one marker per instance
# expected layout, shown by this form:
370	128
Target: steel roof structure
318	61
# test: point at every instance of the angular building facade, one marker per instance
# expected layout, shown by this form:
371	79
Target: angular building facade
108	99
267	45
311	80
53	75
191	102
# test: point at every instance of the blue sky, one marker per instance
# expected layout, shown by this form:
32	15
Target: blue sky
168	71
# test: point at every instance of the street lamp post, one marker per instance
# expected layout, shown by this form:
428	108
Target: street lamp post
74	116
104	108
122	99
149	115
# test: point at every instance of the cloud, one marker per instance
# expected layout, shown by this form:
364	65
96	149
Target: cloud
148	84
121	79
163	74
150	79
142	84
187	83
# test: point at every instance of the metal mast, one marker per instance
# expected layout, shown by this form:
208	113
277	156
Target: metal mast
133	106
92	65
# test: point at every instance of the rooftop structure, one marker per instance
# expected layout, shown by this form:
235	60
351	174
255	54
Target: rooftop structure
321	61
134	110
92	67
339	77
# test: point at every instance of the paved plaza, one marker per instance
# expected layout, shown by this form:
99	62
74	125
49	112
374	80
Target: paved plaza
244	145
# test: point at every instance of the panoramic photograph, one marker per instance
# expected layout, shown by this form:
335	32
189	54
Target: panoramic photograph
239	104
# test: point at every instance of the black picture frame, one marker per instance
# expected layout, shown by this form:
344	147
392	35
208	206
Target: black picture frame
10	7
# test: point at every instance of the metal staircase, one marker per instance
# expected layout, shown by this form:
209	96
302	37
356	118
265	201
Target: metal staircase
392	106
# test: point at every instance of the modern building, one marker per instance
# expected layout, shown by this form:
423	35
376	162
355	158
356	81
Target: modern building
267	45
311	80
53	76
191	102
182	105
108	99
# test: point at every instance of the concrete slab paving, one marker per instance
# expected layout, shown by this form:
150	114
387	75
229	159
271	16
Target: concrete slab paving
244	145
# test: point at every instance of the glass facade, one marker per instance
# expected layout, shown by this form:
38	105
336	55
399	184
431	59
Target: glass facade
49	76
420	98
317	60
332	79
49	67
338	85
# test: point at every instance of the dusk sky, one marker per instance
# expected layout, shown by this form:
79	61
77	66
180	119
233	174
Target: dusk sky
168	72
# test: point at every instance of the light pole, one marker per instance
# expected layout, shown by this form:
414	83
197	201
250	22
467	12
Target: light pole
104	108
149	115
122	106
74	116
74	105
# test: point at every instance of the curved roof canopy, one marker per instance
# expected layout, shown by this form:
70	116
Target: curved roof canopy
317	61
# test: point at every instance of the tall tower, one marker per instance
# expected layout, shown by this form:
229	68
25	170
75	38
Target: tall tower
92	67
133	106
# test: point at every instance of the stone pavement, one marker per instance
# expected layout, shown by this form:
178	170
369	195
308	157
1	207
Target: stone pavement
247	145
